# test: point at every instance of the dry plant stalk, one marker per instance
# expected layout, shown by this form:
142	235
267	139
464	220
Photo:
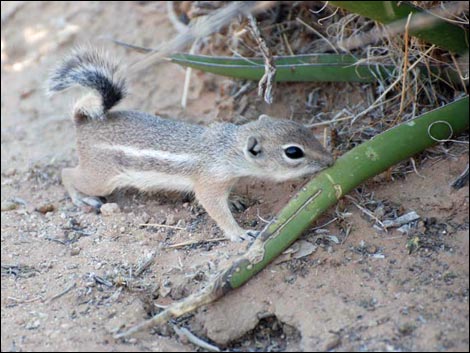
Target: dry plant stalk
265	85
405	66
389	88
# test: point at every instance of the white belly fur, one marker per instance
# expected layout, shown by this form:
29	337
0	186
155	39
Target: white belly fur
151	181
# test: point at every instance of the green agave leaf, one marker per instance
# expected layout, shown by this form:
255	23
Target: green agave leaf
299	68
442	33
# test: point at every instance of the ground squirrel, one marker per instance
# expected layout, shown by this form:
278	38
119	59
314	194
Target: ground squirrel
134	149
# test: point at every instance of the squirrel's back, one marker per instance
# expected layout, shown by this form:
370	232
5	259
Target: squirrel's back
91	69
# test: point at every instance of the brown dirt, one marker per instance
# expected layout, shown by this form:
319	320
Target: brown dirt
365	292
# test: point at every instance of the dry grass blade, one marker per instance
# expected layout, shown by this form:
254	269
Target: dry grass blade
195	340
265	85
389	88
65	291
194	242
405	68
160	225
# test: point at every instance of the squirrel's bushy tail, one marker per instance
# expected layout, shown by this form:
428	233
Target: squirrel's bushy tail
92	69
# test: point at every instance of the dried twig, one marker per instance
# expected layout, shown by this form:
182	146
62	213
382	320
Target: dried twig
413	163
132	46
194	242
146	264
405	66
265	85
187	77
65	291
177	24
194	339
286	42
367	212
160	225
462	180
459	70
26	301
298	19
406	218
389	88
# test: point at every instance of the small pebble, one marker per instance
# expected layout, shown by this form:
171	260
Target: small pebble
75	251
10	172
33	324
9	206
48	207
145	218
110	208
181	223
332	342
170	220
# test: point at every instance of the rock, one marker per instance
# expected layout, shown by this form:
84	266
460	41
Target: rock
122	319
170	219
164	291
75	251
108	209
223	324
406	218
145	218
48	207
9	206
33	324
332	342
10	172
406	329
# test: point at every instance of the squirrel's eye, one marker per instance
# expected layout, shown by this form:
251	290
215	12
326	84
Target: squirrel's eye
294	152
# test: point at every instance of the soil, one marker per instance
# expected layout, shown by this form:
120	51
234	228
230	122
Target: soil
71	279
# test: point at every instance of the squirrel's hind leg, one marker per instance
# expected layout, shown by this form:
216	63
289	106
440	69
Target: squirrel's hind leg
73	181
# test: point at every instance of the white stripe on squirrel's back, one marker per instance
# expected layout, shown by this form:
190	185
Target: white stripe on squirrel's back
151	153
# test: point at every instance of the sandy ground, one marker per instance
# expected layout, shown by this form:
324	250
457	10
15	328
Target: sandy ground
70	279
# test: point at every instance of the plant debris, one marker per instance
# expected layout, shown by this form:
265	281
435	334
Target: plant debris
397	222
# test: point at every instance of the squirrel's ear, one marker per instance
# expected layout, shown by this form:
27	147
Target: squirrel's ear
253	148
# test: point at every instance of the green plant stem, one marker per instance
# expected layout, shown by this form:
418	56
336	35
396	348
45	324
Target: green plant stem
361	163
323	191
